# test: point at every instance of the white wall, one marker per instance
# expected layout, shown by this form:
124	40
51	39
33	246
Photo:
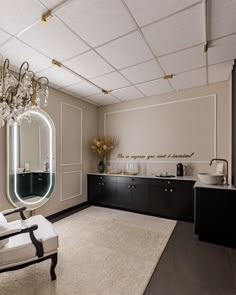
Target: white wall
73	158
194	120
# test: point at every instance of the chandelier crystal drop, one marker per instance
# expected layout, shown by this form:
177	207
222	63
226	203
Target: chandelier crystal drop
20	94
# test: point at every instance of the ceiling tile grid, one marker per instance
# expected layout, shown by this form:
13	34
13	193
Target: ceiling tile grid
127	93
113	80
147	11
103	99
222	50
4	37
142	72
189	79
83	89
36	60
53	39
126	46
59	77
97	22
222	20
89	65
184	60
17	15
177	32
220	72
126	51
155	87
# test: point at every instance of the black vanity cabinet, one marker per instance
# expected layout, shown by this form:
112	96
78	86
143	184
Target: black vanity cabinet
40	183
215	215
171	198
102	190
24	184
159	197
132	193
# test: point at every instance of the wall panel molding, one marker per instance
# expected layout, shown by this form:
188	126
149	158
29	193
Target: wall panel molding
64	196
111	126
69	145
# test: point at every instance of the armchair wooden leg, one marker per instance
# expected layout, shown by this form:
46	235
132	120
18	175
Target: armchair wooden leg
53	266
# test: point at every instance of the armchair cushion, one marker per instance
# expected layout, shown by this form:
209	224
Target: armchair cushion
20	247
2	218
3	228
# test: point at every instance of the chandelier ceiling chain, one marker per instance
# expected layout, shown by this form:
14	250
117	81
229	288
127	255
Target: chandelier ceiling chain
19	94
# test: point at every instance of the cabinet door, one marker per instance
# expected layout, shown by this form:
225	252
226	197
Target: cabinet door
139	197
160	201
108	193
37	180
124	195
183	199
216	216
94	189
24	184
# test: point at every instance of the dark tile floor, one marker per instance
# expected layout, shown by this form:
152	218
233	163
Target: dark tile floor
191	267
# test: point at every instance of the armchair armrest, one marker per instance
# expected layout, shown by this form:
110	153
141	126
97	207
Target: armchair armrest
16	231
15	210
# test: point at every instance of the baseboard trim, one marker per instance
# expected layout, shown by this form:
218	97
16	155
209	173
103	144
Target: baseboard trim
67	212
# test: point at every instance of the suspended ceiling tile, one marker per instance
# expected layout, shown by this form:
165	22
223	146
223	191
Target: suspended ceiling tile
127	93
59	76
222	20
184	60
148	70
155	87
220	72
50	4
177	32
17	15
36	60
89	65
126	51
147	11
4	37
103	99
111	81
189	79
83	89
77	96
53	39
222	50
95	21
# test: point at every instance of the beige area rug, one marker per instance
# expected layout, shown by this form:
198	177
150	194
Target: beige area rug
102	252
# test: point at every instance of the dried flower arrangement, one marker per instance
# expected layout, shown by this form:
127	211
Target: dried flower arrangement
101	145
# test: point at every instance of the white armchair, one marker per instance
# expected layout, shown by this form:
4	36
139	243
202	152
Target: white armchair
26	241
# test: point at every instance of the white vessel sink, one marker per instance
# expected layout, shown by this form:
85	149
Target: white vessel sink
209	178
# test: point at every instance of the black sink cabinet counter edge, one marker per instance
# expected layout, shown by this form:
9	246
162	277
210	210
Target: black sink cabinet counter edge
164	197
215	214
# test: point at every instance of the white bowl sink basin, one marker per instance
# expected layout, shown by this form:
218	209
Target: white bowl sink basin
209	178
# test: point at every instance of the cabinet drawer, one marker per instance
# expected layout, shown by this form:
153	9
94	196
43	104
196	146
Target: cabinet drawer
162	182
130	180
102	178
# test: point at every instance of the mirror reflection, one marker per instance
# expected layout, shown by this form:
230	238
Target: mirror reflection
31	161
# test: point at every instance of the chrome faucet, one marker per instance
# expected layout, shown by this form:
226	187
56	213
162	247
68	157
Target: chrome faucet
227	168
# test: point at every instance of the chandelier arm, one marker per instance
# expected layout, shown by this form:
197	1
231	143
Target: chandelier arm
6	65
4	71
41	78
22	68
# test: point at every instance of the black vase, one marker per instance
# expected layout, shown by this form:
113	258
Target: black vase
101	167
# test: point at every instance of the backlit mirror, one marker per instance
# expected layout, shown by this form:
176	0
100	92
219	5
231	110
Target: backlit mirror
31	161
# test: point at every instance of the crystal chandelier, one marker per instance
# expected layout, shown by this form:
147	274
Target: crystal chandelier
19	94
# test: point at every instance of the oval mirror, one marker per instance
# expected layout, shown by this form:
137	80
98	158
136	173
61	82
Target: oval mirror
31	161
